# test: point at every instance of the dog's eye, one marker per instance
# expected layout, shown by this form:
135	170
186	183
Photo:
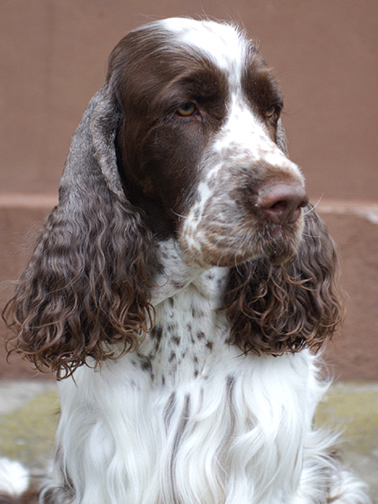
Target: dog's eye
186	110
273	110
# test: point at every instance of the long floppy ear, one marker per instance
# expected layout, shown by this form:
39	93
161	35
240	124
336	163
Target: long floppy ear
283	308
86	286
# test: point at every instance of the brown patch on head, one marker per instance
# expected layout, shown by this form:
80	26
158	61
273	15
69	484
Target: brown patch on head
158	150
262	90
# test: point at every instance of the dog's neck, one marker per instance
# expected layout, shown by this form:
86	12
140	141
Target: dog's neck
190	333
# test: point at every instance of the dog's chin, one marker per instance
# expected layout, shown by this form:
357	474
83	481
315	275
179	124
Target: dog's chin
284	243
278	244
277	251
280	254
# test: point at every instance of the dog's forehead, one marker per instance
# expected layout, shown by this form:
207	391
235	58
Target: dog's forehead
222	43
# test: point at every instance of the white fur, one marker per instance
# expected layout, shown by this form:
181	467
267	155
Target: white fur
240	431
220	42
14	478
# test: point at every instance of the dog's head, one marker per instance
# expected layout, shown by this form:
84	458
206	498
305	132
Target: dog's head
184	141
200	143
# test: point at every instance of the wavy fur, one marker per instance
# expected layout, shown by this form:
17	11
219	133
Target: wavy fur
273	308
181	283
87	284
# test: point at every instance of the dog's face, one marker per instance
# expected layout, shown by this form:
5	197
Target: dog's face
200	145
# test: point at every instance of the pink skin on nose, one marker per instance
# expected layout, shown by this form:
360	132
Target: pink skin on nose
282	203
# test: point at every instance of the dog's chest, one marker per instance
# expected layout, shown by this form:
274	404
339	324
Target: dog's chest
190	334
187	414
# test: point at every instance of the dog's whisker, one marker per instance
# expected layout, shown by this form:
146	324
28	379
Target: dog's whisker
312	209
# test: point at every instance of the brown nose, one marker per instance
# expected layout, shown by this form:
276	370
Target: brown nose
281	203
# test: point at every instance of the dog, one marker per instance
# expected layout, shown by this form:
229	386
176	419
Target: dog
183	286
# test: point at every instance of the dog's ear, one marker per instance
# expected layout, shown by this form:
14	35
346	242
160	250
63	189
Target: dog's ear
281	138
283	308
85	288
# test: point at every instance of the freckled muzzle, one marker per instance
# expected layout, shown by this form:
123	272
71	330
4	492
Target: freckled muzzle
243	213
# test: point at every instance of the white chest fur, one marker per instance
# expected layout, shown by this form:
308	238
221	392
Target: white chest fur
188	419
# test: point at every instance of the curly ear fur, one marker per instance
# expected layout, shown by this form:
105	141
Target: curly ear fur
279	308
87	284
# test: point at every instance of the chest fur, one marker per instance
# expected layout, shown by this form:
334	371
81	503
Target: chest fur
187	415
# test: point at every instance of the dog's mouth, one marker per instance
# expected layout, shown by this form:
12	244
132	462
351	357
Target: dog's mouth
216	243
283	243
246	216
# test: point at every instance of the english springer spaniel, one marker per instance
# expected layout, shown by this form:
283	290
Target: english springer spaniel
182	287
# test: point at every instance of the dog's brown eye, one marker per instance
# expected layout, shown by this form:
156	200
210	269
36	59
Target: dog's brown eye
186	110
273	110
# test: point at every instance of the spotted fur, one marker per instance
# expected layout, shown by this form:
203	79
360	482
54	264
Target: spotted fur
181	286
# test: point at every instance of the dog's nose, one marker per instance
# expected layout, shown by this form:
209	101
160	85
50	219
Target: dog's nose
282	203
